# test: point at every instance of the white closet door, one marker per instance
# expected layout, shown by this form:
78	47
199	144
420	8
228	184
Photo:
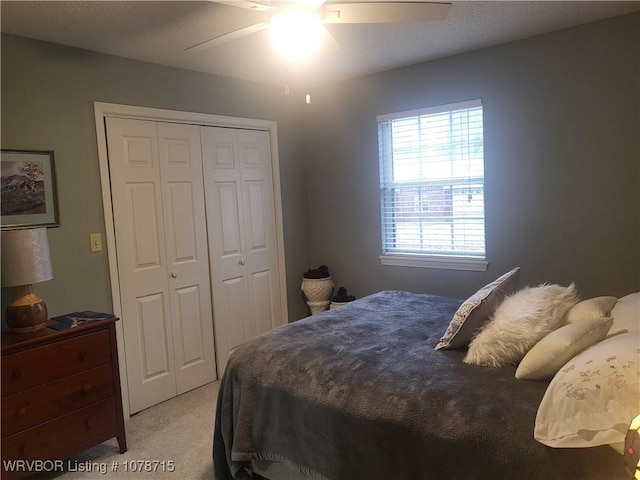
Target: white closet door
158	203
242	235
187	255
260	228
139	227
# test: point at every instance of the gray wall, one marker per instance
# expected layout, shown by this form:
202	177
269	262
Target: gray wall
561	153
48	92
562	161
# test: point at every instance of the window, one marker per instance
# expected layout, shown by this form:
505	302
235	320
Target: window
432	187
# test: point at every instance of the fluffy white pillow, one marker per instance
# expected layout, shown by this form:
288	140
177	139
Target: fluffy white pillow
593	397
591	308
476	310
626	314
519	323
553	351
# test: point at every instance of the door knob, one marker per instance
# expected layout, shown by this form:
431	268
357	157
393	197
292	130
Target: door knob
174	274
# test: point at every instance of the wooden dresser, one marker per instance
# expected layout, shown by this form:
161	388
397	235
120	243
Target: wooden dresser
60	393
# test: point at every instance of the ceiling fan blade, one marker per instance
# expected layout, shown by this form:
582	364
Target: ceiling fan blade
257	6
383	12
227	37
315	4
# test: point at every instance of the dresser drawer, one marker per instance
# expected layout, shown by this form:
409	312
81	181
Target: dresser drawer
60	394
29	368
54	439
36	405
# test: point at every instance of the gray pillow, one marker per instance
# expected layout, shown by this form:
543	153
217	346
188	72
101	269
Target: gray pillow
477	309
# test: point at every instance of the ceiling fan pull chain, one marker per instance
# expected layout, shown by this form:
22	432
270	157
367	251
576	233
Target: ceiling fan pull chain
308	96
287	89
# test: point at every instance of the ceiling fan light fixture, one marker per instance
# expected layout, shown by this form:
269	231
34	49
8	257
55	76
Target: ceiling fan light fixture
295	34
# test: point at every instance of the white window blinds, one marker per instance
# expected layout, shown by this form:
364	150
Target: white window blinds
432	181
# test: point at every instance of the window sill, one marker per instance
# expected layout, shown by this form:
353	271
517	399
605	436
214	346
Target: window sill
443	263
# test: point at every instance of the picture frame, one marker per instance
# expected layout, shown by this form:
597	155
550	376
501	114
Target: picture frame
28	196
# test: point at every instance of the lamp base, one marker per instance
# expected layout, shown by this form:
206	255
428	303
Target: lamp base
27	312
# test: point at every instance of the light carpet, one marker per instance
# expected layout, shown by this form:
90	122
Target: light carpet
178	432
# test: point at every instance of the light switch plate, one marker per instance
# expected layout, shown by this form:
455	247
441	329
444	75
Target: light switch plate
96	242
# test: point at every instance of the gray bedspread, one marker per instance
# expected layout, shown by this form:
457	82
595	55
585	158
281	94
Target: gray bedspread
359	393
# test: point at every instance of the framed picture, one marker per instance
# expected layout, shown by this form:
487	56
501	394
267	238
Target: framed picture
27	190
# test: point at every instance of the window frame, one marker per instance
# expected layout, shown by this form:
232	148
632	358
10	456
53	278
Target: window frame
431	259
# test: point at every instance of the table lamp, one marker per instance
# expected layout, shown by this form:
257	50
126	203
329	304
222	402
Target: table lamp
25	260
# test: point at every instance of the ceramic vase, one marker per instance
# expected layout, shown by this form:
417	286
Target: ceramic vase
318	292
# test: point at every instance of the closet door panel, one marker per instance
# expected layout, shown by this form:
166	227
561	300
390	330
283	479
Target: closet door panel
136	189
257	216
146	236
234	307
227	211
263	300
181	222
189	314
242	235
223	196
260	227
187	254
155	362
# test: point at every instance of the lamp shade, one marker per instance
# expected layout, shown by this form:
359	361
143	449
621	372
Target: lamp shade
25	257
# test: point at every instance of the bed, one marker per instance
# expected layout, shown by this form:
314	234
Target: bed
361	392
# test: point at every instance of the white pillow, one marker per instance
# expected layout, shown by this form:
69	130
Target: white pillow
626	314
591	308
519	323
553	351
593	397
477	309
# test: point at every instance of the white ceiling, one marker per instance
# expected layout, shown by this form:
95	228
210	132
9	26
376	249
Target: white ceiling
159	31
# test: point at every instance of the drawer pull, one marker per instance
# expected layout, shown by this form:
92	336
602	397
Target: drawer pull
22	411
86	389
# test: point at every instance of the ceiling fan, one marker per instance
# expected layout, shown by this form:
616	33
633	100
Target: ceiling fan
306	17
